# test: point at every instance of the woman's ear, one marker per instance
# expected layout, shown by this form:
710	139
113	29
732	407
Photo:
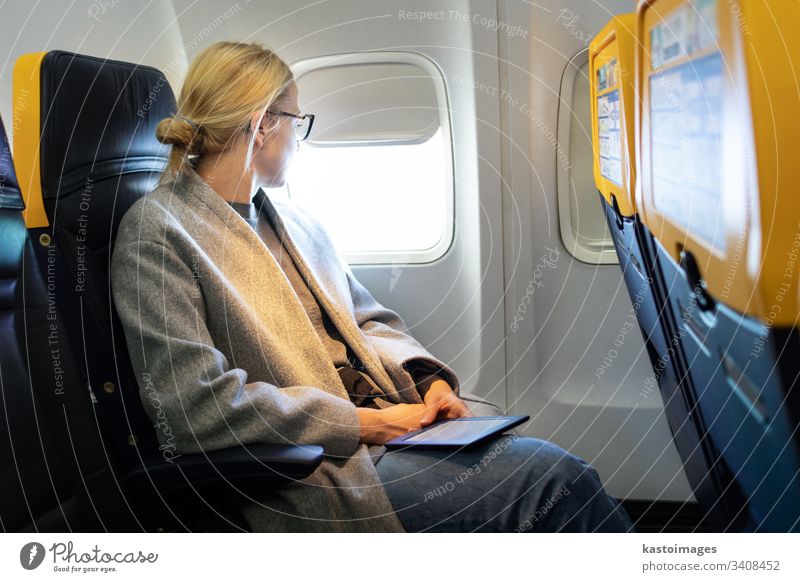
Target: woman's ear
256	120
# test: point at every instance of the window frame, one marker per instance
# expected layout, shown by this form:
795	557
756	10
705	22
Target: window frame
605	253
445	242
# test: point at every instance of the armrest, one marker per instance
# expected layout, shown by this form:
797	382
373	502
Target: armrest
259	465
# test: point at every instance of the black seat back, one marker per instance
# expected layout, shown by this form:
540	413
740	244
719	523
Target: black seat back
612	55
717	181
41	488
98	156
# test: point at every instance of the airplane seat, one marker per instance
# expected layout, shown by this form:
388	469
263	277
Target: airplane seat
613	104
86	151
41	488
717	182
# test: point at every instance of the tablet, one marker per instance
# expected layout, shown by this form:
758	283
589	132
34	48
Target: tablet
458	432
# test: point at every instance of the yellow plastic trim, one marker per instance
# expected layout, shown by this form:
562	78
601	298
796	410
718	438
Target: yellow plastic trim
27	136
616	41
757	270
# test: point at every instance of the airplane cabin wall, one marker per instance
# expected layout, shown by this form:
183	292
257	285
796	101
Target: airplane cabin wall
576	311
112	29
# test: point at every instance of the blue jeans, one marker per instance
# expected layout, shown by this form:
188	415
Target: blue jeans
509	484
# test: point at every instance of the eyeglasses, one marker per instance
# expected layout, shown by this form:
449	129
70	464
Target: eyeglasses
303	126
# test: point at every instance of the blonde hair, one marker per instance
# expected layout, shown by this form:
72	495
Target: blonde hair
226	84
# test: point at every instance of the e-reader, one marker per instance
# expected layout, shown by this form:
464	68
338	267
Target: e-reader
458	432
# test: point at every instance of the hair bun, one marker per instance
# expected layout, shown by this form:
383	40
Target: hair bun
179	131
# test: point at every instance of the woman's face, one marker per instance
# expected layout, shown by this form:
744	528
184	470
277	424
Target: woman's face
273	158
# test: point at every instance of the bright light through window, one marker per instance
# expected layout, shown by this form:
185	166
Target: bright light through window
377	200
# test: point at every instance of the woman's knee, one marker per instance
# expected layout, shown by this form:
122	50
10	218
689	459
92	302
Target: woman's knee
562	470
581	478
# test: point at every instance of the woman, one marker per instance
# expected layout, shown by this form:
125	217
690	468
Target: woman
250	328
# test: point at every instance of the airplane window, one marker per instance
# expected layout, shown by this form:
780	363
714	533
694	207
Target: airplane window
376	200
584	228
377	167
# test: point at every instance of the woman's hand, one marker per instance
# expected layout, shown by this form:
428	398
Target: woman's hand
379	426
442	403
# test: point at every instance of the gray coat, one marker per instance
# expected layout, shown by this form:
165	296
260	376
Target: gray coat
225	353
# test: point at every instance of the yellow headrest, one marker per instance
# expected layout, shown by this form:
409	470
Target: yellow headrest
27	132
611	66
718	170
